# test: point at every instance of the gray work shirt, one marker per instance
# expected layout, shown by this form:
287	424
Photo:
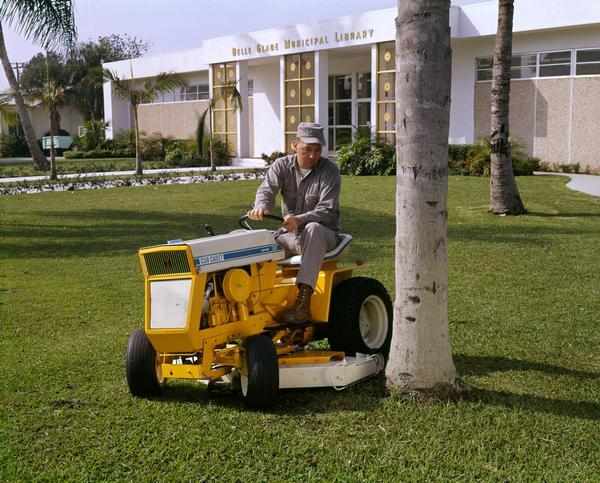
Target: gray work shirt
312	198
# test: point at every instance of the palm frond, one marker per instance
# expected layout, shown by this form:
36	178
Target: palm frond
167	81
49	23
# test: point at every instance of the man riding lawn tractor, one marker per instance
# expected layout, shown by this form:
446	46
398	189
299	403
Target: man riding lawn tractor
235	310
310	191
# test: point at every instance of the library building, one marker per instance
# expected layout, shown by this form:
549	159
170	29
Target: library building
341	73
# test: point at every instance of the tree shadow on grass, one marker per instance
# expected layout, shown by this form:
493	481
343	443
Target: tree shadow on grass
364	397
480	365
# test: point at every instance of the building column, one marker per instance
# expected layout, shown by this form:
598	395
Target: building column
374	91
282	143
117	112
322	93
243	127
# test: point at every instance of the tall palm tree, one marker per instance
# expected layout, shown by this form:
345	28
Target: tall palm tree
421	356
50	23
228	94
504	195
148	91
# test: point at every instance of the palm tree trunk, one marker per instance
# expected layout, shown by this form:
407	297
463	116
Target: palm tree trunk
421	356
138	154
504	195
39	159
52	149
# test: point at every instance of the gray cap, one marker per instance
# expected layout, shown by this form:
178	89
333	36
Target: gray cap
311	133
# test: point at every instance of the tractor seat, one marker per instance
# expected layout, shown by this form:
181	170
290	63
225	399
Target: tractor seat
337	253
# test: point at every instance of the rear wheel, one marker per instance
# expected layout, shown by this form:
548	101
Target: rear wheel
360	318
260	385
143	372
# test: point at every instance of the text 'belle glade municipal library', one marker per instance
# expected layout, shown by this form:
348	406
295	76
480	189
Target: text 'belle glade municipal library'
341	73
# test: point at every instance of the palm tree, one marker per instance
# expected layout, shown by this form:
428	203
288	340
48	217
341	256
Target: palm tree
50	23
504	195
227	94
421	356
149	90
51	95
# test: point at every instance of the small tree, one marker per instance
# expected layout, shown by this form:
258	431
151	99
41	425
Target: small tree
51	95
227	94
149	90
504	195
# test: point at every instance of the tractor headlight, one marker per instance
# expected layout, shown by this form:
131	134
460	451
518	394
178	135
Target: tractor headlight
169	302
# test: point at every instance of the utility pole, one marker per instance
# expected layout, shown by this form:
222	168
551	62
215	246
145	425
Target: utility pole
17	66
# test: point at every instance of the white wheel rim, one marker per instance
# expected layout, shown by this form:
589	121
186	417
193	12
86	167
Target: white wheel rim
373	322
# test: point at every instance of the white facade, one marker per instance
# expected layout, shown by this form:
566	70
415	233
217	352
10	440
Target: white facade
347	46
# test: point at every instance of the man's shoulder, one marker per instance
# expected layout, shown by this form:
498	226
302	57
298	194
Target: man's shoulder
329	166
285	161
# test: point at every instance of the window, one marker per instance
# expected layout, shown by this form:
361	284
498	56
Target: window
588	62
194	92
521	67
250	87
555	63
340	110
349	108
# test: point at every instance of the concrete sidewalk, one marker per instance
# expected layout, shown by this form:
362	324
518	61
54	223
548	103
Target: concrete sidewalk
585	183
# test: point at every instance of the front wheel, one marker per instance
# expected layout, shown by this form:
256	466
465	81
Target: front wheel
260	385
142	366
360	318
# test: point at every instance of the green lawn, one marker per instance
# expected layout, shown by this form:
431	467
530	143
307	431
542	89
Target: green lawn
524	317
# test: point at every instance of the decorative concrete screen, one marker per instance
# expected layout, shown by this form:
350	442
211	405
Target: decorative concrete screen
299	93
386	91
224	116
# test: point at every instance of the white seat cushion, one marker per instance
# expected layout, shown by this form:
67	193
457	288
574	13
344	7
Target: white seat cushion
338	252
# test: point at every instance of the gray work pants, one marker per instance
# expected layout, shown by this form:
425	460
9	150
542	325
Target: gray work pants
312	243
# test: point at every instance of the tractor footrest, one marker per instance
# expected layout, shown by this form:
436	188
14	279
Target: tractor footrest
336	374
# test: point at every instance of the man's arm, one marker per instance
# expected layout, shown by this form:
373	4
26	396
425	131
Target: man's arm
267	191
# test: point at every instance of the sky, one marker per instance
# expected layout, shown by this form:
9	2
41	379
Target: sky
183	24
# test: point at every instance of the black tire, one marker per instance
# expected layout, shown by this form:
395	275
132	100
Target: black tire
141	366
347	332
261	385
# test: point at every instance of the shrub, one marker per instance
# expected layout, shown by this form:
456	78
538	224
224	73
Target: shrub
221	149
155	147
364	157
100	153
12	146
94	136
270	158
477	159
125	139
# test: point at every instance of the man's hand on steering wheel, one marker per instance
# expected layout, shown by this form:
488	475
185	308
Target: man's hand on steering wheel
257	214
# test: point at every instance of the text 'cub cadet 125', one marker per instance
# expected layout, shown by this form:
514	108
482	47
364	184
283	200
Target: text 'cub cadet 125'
210	316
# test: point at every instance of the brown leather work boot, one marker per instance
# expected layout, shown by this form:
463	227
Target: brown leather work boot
299	313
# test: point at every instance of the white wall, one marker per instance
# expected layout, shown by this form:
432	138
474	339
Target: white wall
266	108
464	52
116	112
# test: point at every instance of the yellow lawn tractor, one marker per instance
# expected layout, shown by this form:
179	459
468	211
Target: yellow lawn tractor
210	316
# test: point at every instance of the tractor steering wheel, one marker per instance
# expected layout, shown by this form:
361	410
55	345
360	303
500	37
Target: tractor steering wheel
243	221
